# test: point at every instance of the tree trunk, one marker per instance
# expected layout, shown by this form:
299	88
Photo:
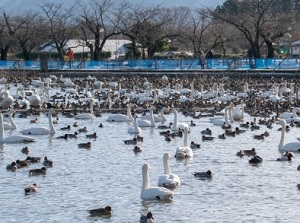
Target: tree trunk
4	52
270	49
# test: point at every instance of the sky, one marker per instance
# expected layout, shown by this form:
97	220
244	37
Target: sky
20	5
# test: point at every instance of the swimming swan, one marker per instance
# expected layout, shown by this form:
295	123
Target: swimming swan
134	129
153	193
291	146
14	138
11	125
90	115
41	130
168	179
121	117
184	151
177	125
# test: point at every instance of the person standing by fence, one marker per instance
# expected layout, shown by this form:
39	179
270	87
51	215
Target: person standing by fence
202	60
208	57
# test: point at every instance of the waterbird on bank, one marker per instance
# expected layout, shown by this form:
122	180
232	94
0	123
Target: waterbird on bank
207	174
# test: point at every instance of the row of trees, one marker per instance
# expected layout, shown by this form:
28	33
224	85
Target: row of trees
235	25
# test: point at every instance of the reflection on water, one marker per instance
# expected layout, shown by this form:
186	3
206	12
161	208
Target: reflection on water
109	173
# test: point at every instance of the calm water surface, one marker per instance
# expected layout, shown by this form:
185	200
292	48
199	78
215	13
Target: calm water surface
110	174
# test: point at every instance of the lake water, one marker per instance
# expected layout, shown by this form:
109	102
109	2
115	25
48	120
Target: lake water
110	174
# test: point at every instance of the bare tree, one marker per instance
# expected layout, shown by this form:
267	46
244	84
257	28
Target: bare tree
102	19
255	20
6	41
27	31
61	24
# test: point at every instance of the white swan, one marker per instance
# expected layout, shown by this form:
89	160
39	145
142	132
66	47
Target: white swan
238	111
291	146
290	115
177	125
14	138
121	117
157	118
184	151
168	179
41	130
222	121
90	115
134	129
7	100
11	125
147	123
153	193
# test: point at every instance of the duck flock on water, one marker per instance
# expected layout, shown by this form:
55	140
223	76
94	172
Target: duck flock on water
144	102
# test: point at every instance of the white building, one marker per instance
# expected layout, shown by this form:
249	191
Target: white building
115	46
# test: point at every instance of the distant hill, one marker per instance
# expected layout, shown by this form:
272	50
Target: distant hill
16	6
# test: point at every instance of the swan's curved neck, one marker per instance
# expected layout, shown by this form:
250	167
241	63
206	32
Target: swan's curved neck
152	118
166	166
226	116
129	112
12	123
135	124
185	144
51	126
281	143
175	118
230	115
162	115
146	183
92	108
2	128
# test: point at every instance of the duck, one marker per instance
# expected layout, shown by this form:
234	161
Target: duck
65	136
84	129
75	124
222	136
256	159
107	211
207	138
148	218
47	162
192	123
131	141
66	128
56	121
168	179
41	171
168	138
194	145
25	150
101	125
259	137
153	193
94	135
12	167
85	145
33	159
239	131
137	149
22	163
286	157
207	174
34	120
247	152
207	131
245	125
31	188
74	135
165	126
298	185
139	138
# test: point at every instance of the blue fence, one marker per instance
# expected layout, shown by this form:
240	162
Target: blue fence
157	64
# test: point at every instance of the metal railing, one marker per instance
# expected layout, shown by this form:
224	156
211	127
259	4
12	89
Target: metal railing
156	64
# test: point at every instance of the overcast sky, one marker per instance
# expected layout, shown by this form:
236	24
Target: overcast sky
20	5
